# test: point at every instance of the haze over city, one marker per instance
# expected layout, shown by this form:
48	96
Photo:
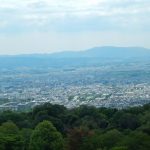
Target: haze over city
74	74
46	26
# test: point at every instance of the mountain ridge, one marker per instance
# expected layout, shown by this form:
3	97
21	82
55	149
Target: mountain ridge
103	52
107	51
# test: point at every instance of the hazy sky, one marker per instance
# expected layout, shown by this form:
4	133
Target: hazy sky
41	26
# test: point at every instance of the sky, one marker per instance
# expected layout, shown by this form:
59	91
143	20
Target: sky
46	26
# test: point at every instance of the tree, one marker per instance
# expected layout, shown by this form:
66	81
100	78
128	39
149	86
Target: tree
76	137
119	148
26	133
126	120
46	137
10	138
111	138
102	141
137	141
92	142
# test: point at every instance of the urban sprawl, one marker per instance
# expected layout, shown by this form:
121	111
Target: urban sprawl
72	88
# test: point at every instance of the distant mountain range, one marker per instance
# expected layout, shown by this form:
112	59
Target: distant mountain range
87	57
101	52
106	52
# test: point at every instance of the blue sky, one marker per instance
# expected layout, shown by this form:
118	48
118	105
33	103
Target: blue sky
45	26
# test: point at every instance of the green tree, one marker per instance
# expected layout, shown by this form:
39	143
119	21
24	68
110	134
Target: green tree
126	120
137	141
10	138
26	134
92	142
111	138
119	148
46	137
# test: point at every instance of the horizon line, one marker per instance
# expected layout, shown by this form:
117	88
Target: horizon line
63	51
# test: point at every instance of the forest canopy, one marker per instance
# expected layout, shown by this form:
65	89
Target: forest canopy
54	127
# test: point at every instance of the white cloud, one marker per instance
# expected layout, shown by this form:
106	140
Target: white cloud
76	8
86	18
54	13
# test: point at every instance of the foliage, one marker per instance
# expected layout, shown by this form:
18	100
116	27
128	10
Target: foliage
10	138
54	127
46	137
